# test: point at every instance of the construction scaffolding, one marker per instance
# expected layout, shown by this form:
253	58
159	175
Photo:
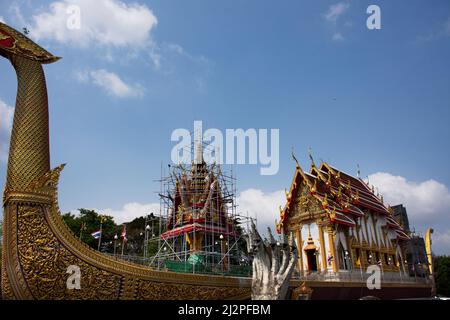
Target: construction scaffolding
200	230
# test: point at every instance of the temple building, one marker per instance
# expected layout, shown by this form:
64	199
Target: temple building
340	224
202	228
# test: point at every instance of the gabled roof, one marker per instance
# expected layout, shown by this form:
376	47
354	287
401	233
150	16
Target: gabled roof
316	182
342	196
367	198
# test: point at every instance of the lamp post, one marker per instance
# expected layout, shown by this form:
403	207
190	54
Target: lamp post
151	216
115	243
221	250
147	230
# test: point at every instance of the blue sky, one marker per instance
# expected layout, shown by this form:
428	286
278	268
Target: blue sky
312	69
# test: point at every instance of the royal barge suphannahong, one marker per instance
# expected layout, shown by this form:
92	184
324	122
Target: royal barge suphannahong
346	226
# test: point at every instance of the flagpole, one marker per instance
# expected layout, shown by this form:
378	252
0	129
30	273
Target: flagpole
124	234
101	231
100	238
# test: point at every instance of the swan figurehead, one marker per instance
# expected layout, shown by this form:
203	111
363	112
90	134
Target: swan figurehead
13	42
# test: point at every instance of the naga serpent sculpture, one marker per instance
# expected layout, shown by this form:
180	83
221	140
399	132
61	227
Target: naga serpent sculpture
273	264
38	248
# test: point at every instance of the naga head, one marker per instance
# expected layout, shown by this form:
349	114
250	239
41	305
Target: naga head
13	42
253	239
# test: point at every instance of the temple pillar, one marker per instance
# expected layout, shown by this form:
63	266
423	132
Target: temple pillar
350	256
322	248
331	235
298	235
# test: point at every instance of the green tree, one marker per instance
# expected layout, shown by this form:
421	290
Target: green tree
136	237
90	220
442	275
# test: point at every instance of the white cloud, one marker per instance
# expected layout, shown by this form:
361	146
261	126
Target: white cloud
262	205
110	82
103	22
6	118
130	211
16	14
115	30
427	204
424	201
332	16
338	36
441	242
336	10
127	213
2	19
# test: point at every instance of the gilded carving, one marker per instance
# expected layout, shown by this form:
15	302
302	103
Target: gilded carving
44	261
159	291
306	207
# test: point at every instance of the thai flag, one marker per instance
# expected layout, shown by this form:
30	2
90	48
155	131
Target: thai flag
96	234
124	234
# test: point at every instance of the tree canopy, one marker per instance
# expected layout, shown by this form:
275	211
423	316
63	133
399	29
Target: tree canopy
88	222
442	275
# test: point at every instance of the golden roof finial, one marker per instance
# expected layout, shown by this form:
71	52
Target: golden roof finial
295	158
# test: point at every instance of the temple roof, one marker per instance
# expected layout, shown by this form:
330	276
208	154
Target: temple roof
343	197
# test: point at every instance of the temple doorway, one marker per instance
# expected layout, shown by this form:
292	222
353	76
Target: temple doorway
311	259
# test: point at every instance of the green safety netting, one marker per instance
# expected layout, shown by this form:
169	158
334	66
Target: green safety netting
196	264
